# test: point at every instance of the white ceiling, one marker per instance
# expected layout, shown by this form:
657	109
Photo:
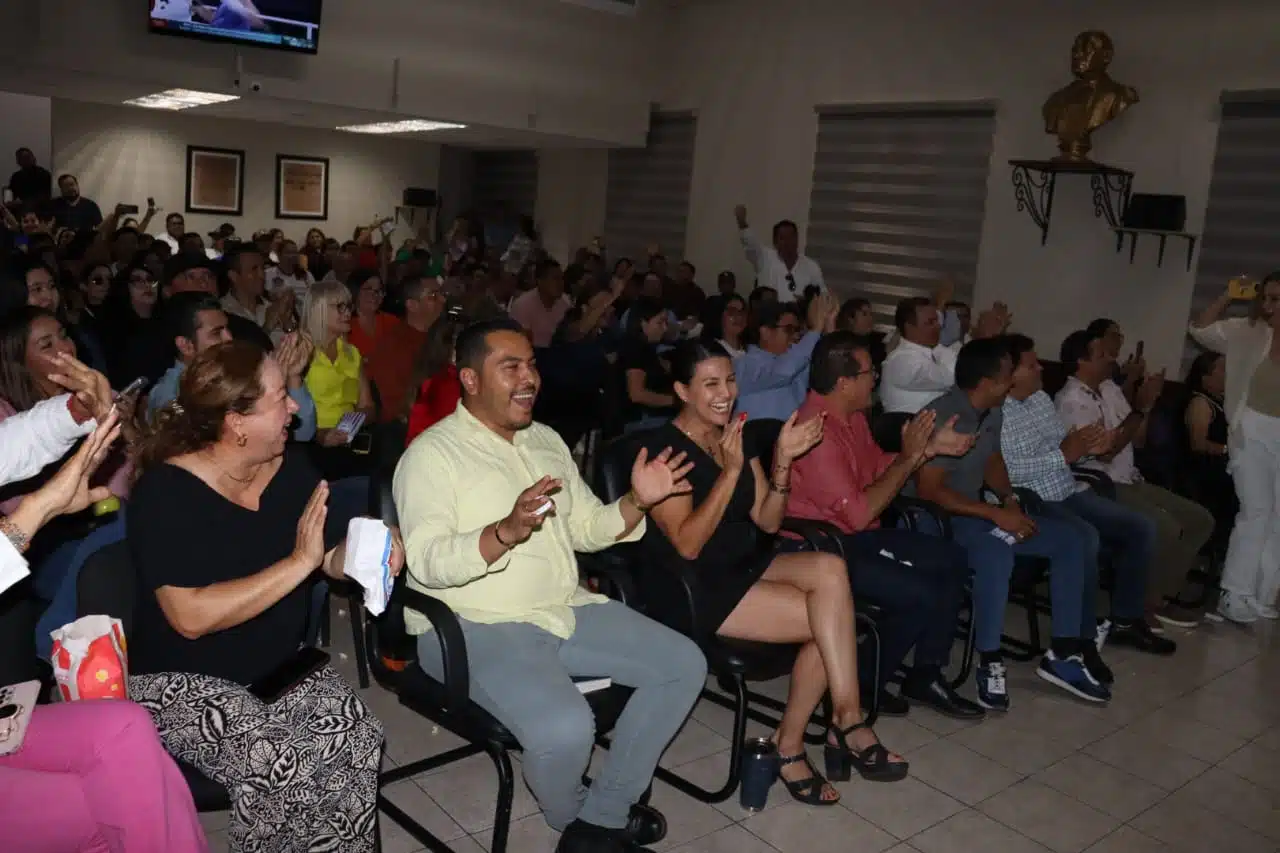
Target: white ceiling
263	108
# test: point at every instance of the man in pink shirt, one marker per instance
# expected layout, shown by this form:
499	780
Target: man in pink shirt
540	310
917	580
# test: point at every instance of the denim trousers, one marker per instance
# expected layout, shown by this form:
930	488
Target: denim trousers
521	674
1129	536
1073	579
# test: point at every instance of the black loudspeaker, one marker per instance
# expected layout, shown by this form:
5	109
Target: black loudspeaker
419	197
1156	212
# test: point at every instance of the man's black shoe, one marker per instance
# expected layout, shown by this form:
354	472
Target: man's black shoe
1138	635
939	696
645	826
583	837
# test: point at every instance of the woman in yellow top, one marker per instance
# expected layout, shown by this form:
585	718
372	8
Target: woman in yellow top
336	378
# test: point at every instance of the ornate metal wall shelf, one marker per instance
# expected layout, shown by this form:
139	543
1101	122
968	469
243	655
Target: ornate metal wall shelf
1034	182
1134	233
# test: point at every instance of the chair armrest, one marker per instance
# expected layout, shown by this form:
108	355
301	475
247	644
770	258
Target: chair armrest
453	645
665	588
819	535
1030	501
611	574
910	508
1100	481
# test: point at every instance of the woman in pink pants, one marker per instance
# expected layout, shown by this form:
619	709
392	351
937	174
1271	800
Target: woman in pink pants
92	777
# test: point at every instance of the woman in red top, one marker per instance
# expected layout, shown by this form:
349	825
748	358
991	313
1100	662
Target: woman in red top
435	377
369	323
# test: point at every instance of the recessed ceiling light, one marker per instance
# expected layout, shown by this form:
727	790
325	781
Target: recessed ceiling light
414	125
180	99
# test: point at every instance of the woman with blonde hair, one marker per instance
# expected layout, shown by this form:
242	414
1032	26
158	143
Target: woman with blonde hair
227	526
336	378
1251	577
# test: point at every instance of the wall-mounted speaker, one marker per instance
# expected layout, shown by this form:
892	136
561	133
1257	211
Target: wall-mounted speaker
419	197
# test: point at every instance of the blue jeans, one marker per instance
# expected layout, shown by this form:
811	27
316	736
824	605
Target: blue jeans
1072	577
1129	535
62	604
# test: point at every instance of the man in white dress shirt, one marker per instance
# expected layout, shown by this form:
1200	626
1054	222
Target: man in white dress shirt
780	267
920	368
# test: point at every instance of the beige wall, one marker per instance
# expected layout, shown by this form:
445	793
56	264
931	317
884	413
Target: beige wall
124	154
755	69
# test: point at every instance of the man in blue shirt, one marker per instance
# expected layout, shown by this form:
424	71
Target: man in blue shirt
773	374
198	323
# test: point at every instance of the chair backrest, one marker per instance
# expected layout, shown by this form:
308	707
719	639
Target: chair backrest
612	475
761	435
387	638
107	585
887	430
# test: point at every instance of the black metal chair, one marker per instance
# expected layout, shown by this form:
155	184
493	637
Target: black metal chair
447	703
664	592
107	586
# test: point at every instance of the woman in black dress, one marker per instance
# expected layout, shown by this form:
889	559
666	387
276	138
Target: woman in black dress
1206	422
747	593
226	527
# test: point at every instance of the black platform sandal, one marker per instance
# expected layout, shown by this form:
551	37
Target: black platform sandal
807	791
872	763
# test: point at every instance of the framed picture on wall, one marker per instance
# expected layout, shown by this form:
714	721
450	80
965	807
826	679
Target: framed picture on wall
215	180
302	187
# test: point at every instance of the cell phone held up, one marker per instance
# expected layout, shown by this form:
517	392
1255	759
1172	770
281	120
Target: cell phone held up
1242	288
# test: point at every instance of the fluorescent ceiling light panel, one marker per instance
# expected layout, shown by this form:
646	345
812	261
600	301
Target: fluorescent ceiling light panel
180	99
413	125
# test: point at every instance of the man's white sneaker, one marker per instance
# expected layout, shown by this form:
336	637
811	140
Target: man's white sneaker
1237	608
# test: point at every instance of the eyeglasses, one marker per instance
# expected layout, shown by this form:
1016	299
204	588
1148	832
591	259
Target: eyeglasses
790	328
343	307
142	281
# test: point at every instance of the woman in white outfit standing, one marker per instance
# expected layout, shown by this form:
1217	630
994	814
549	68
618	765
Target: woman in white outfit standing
1251	578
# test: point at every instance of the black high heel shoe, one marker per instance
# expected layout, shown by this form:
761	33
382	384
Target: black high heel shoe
872	763
807	791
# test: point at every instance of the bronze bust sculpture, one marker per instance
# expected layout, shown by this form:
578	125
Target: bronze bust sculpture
1073	112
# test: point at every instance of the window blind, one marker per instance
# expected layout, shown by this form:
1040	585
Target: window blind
898	198
648	195
1243	213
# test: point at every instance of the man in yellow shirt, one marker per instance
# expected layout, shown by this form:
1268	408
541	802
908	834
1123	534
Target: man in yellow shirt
513	581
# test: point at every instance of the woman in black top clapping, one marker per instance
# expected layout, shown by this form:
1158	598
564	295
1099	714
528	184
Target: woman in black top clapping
226	526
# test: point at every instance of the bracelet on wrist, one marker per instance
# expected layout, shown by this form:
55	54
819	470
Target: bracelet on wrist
635	502
19	539
782	489
498	536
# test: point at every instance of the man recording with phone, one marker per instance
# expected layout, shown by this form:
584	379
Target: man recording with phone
1090	397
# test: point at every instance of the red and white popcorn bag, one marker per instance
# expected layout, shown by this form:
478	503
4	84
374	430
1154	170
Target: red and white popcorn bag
90	659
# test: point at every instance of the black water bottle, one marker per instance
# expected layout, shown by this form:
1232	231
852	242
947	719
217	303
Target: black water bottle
760	765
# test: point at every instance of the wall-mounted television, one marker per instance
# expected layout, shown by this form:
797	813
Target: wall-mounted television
281	24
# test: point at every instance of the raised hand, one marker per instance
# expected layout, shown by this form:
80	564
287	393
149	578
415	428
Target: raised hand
947	442
1084	441
527	514
993	322
796	439
308	543
1149	392
68	490
822	310
731	449
917	433
654	480
740	214
90	388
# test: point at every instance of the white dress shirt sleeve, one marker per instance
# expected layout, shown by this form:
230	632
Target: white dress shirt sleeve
32	439
13	567
917	370
756	251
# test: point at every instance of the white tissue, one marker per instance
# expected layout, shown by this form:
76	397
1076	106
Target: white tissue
368	561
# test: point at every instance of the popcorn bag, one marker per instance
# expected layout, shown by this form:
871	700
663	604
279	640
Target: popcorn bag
90	659
369	561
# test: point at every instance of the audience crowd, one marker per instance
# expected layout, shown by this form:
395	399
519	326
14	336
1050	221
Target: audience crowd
219	405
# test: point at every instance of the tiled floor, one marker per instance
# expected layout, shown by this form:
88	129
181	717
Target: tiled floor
1185	758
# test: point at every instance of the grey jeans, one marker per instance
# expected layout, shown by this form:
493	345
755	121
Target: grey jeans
521	675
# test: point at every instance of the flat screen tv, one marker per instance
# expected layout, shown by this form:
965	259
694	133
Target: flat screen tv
292	25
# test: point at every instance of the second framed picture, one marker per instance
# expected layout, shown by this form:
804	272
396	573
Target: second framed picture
302	187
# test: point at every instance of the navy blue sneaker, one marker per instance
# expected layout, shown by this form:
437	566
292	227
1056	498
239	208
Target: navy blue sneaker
992	692
1073	676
